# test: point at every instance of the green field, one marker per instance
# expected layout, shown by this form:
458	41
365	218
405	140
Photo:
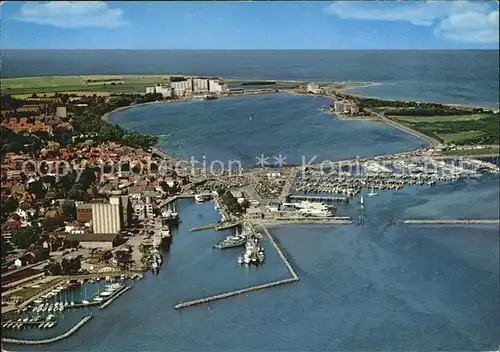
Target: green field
486	151
459	136
441	118
98	83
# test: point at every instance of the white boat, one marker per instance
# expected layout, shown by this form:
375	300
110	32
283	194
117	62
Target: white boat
371	194
85	302
106	294
361	201
98	299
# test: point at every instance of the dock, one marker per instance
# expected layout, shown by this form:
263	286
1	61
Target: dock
228	225
115	296
294	278
204	227
306	221
453	222
50	340
296	197
218	226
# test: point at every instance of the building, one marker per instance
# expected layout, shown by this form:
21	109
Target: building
61	111
96	240
215	86
182	88
126	210
338	106
107	217
84	213
255	213
150	90
346	107
273	207
200	85
313	88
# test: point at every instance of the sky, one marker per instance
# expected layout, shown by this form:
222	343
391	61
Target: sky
250	25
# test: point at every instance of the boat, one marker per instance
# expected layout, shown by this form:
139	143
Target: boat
154	267
200	198
85	302
371	194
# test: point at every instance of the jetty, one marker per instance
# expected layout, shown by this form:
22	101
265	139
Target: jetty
306	220
204	227
228	225
294	278
453	222
296	197
218	226
50	340
115	296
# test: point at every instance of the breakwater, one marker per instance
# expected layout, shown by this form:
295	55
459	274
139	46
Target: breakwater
305	221
112	298
50	340
294	278
280	253
454	222
233	293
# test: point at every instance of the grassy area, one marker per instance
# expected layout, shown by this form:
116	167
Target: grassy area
459	136
93	83
475	152
441	118
29	291
473	129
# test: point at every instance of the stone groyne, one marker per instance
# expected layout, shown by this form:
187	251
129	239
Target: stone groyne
50	340
453	222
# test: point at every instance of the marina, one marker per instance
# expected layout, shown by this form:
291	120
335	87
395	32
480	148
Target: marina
229	294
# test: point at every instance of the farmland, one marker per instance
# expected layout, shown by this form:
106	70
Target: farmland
94	83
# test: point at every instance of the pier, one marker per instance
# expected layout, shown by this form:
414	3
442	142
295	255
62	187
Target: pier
50	340
294	278
453	222
217	226
318	198
112	298
204	227
227	225
306	220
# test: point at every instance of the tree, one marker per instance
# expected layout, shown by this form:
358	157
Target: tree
9	205
53	269
6	247
26	236
68	210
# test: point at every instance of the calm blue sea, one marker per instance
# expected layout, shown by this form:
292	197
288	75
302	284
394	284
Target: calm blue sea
247	127
462	77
